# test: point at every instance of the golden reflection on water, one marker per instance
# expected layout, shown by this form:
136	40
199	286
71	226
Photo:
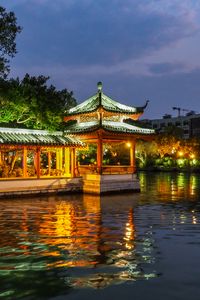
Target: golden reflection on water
193	184
130	231
95	241
174	185
72	228
87	234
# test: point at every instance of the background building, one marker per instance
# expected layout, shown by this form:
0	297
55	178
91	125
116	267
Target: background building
189	123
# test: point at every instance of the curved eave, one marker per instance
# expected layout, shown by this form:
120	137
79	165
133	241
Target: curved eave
100	99
82	130
107	109
120	111
110	130
89	105
126	131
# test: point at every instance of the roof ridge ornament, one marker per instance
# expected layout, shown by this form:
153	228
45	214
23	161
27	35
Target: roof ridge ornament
99	86
147	101
142	108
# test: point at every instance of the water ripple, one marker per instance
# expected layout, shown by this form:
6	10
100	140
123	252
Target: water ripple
76	242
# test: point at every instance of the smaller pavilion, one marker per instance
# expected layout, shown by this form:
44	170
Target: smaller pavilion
102	122
26	153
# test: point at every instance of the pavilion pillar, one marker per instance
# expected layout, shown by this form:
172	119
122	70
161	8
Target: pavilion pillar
61	159
99	155
57	159
76	163
67	161
73	162
49	162
132	156
25	162
38	162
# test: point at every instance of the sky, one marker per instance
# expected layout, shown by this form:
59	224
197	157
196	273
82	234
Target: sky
139	49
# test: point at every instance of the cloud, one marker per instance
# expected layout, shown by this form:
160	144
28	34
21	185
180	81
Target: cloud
167	68
139	49
88	32
164	91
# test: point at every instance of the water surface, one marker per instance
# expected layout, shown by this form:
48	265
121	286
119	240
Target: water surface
137	245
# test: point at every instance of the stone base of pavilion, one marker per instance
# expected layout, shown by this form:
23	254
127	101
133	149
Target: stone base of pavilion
36	187
106	183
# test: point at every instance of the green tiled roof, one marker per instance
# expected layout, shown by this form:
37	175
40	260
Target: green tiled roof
127	128
119	127
15	136
108	104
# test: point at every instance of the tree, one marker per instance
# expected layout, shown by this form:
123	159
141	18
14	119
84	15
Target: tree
8	32
167	145
145	151
31	103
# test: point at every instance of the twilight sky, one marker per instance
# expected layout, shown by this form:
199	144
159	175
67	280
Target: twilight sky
139	49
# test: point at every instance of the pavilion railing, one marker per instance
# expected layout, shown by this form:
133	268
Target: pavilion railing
92	169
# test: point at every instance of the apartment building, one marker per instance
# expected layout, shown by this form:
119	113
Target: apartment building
189	123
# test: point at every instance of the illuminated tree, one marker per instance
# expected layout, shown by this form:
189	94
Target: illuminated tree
167	145
31	103
145	151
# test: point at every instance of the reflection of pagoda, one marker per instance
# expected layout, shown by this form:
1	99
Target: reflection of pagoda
100	120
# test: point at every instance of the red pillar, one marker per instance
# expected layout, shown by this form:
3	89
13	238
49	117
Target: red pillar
49	162
99	155
132	157
38	162
25	162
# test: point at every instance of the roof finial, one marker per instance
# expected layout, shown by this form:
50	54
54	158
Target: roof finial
99	86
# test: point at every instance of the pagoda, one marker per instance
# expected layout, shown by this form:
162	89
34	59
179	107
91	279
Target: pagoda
102	121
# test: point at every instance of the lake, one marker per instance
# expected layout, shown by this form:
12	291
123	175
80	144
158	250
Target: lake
134	245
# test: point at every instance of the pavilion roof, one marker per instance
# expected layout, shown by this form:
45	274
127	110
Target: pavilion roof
16	136
112	126
110	105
